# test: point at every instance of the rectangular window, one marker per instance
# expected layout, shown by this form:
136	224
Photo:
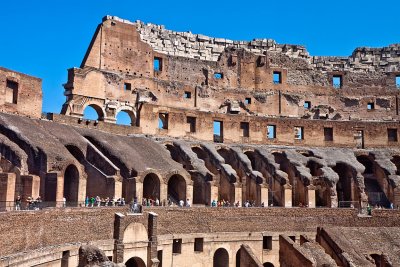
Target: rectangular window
328	134
187	95
298	133
127	86
271	131
177	246
370	106
307	104
218	131
198	244
218	75
65	258
160	257
337	81
398	81
11	92
267	242
392	135
163	121
247	101
244	126
277	77
157	64
192	124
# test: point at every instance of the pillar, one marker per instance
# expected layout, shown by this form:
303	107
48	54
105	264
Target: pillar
238	194
213	194
264	195
163	193
287	201
82	190
30	185
311	196
7	191
60	190
139	192
189	192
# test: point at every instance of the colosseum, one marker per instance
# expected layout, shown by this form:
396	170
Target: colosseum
237	153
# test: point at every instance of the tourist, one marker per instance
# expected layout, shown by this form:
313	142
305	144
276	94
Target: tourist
157	202
39	202
18	201
64	202
391	206
181	203
214	203
92	200
369	210
187	203
87	201
98	201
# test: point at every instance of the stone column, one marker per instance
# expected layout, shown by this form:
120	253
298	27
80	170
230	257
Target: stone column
287	196
213	194
311	196
163	193
238	194
60	190
264	195
189	193
152	260
7	191
139	192
118	238
82	190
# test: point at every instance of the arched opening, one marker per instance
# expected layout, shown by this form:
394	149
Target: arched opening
126	117
238	258
93	112
176	188
396	161
221	258
268	264
374	181
151	187
135	262
323	190
345	188
71	183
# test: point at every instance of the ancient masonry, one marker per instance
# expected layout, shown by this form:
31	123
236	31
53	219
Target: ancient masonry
310	141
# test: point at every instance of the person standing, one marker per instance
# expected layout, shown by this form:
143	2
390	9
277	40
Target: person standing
187	203
18	201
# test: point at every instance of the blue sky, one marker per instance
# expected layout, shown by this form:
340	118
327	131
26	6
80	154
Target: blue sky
44	38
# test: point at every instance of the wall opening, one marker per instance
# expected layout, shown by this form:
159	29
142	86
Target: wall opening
268	264
157	64
245	128
151	186
218	75
247	101
307	104
187	95
198	244
293	238
398	81
191	121
271	131
127	87
93	112
160	257
337	81
11	92
328	134
221	258
177	246
176	188
218	131
277	77
267	242
135	262
392	135
359	138
65	258
71	183
163	120
125	117
298	133
370	106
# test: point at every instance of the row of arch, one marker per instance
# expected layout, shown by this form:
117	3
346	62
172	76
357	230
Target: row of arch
220	259
125	116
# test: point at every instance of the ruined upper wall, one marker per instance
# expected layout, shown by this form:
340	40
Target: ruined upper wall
20	93
198	46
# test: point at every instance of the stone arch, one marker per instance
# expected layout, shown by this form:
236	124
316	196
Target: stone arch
221	258
177	187
71	183
129	111
135	232
135	262
345	187
396	161
238	258
151	186
99	110
268	264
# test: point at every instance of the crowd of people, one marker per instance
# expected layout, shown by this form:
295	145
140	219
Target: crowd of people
29	204
103	202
